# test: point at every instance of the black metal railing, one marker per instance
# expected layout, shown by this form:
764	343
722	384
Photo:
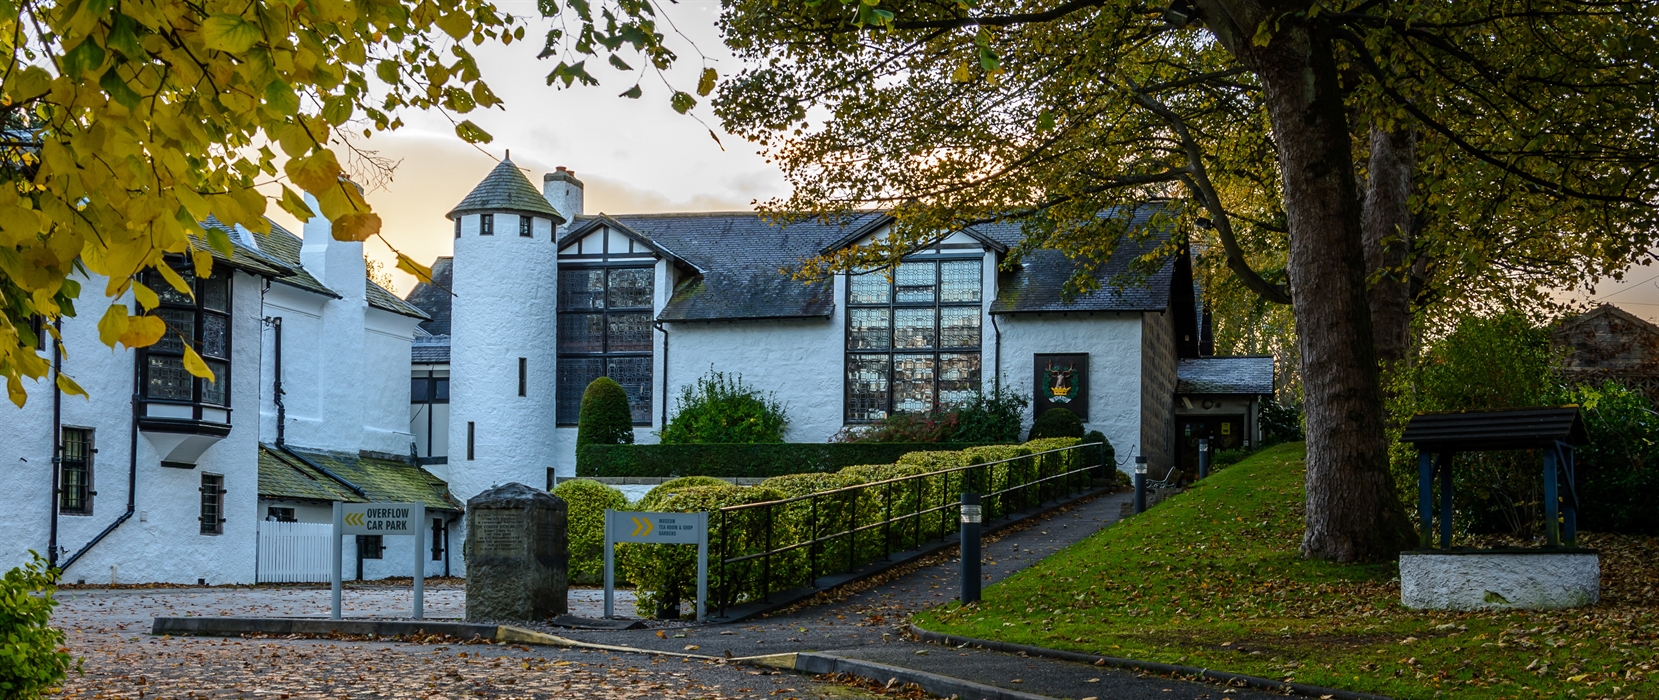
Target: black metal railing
793	542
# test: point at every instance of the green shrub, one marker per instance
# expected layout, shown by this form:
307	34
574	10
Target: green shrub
738	460
668	573
661	491
1105	456
30	658
1227	458
902	427
833	513
585	504
1618	471
605	418
1054	423
792	485
993	418
721	409
1280	423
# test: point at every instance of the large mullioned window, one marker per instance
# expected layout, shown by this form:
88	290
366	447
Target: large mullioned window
913	337
203	323
605	331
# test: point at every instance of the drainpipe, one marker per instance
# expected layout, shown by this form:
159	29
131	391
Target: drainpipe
57	441
132	475
998	361
276	380
663	422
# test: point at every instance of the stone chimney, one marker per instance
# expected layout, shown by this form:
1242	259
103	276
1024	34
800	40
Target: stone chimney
564	192
337	264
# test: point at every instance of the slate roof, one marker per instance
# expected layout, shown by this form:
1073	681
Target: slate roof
1251	374
740	255
435	299
430	350
244	258
383	480
1038	284
506	189
283	245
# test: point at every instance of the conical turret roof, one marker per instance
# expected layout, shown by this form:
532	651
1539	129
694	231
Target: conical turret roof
506	189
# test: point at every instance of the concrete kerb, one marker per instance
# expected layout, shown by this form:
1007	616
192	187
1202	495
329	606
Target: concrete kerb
784	599
933	683
1206	674
501	634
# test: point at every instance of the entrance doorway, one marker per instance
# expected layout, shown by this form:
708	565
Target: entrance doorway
1224	433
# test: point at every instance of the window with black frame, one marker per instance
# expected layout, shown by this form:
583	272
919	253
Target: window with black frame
605	331
213	504
204	323
75	472
913	337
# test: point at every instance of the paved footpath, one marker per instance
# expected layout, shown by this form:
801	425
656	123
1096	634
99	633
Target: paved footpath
871	625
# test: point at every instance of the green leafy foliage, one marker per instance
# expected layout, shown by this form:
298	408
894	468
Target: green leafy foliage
1280	423
1056	422
984	418
586	502
32	658
658	493
1213	578
1618	472
762	460
666	574
1106	456
605	418
720	408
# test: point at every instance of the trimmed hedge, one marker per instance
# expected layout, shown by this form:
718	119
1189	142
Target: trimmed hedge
585	503
738	460
666	573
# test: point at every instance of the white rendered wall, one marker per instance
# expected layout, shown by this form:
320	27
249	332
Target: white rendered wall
1113	342
302	378
505	293
162	541
383	385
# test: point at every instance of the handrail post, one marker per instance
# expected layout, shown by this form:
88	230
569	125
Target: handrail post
812	546
887	522
766	560
852	530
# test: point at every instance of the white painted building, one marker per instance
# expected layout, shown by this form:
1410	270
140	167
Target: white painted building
163	477
541	307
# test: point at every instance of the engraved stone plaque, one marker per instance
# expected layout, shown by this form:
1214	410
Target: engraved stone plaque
516	555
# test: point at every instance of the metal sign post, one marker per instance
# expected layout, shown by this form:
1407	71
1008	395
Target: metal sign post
380	519
657	528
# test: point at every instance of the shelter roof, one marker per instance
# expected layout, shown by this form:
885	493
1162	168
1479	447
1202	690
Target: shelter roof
1250	374
1503	429
382	478
506	189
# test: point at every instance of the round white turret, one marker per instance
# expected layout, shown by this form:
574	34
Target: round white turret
503	366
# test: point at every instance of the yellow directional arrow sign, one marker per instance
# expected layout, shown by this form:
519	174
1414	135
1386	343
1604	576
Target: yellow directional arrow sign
642	527
661	528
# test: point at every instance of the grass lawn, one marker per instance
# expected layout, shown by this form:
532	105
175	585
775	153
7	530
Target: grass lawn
1212	578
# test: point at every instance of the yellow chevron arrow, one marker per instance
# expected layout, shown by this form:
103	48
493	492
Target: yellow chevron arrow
642	527
354	519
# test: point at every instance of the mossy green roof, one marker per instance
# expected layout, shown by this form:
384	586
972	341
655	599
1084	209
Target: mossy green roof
382	480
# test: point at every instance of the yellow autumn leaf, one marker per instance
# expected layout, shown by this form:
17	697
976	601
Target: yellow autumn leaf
14	390
408	264
356	226
143	331
961	75
173	278
193	364
203	260
68	386
314	173
146	297
114	323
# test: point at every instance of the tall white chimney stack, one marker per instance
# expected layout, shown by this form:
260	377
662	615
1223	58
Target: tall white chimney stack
564	192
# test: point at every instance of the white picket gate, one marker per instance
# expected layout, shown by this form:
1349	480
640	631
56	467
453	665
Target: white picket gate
294	552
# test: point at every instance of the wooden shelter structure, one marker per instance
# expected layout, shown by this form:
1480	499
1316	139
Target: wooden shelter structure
1552	430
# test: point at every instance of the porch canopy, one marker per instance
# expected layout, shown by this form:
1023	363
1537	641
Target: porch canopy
1552	430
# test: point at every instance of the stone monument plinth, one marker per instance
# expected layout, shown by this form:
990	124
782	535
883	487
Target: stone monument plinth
517	555
1530	579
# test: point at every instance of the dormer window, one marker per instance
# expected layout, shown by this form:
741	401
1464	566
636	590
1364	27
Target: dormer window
170	393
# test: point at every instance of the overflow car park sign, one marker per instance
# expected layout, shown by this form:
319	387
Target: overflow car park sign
378	518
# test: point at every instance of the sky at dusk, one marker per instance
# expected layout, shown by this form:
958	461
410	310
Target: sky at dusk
634	156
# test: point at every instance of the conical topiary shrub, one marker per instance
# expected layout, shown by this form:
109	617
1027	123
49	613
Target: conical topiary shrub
605	418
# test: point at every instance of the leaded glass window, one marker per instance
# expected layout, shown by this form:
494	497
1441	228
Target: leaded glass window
75	472
200	319
605	331
913	337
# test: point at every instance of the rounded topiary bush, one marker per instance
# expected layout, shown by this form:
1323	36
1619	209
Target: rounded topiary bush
1056	422
720	408
668	488
1105	455
605	418
668	573
585	503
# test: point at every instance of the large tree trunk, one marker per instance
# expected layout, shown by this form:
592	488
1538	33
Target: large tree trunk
1388	228
1353	513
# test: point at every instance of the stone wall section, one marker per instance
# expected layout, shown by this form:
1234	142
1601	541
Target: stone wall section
1157	390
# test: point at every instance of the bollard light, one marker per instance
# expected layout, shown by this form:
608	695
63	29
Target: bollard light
1203	458
971	516
1140	484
